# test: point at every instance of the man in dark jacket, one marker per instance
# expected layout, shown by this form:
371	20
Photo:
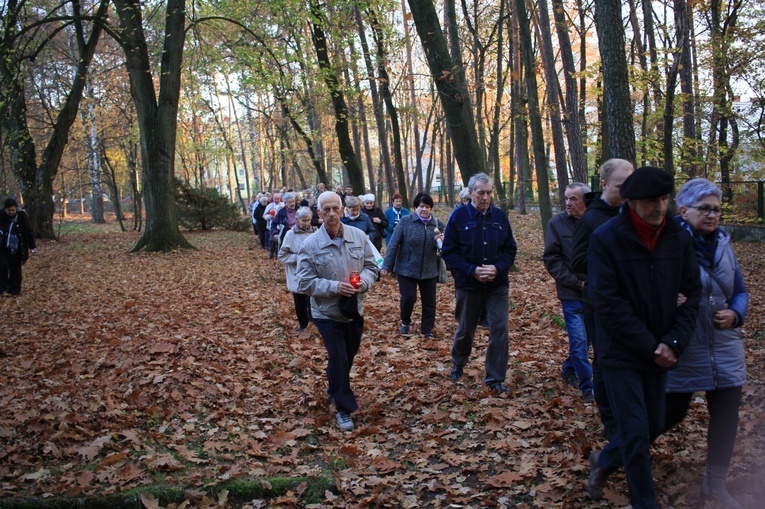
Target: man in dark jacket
600	208
17	240
576	370
479	248
638	264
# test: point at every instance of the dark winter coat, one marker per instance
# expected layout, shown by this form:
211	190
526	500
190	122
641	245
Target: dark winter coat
557	256
363	223
257	215
714	359
379	227
412	249
597	213
18	226
634	293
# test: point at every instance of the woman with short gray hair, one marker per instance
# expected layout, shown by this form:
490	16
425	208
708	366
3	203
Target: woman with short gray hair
355	217
288	254
713	361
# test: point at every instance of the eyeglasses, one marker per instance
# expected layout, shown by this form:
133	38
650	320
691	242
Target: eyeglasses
707	210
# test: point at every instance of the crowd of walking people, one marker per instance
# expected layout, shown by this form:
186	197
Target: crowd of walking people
659	297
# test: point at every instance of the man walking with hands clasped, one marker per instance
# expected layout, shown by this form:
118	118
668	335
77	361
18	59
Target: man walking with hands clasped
638	264
479	249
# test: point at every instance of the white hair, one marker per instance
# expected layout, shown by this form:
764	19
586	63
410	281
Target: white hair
326	195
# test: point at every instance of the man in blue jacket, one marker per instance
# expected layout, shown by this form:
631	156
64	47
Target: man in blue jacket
479	249
639	262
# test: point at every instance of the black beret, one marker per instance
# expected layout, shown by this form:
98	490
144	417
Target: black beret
646	183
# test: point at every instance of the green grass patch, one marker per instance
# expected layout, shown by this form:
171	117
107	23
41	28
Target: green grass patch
240	490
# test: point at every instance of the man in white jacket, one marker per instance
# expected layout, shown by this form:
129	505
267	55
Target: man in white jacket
336	267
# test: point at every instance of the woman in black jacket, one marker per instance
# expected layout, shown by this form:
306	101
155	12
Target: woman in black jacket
16	242
377	216
261	227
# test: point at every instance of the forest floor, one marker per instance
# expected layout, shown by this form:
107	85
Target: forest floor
181	376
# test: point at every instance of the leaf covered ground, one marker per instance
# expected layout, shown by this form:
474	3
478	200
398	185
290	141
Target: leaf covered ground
122	371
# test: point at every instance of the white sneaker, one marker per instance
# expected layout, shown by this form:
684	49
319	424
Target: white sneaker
344	421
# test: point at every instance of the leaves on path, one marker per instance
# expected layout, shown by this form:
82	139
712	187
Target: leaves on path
125	370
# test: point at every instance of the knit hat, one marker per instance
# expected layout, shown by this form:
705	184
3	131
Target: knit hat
646	183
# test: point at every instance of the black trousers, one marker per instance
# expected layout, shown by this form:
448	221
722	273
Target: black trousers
302	309
10	272
408	288
723	420
342	341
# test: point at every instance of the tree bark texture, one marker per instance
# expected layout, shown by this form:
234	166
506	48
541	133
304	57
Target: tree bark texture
345	145
571	115
382	135
449	82
535	119
157	120
553	102
616	89
384	84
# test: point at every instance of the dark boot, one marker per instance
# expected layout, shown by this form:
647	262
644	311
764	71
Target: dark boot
713	486
598	478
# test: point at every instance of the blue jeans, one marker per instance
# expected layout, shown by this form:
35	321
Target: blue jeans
468	310
342	341
637	400
578	359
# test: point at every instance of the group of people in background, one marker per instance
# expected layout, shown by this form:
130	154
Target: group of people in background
660	298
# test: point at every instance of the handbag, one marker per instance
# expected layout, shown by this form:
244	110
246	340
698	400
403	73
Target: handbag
442	272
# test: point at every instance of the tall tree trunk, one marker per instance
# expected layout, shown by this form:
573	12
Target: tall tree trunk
450	83
382	135
345	146
690	147
240	139
723	18
361	111
517	102
384	81
616	94
571	116
494	138
157	119
94	160
37	181
419	147
553	95
535	119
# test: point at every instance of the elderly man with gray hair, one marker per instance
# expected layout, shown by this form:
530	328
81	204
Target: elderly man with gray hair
479	248
336	267
576	369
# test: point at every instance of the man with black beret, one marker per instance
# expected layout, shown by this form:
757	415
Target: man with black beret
639	262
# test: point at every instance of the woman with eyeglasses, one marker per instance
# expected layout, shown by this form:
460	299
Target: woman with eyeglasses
714	360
